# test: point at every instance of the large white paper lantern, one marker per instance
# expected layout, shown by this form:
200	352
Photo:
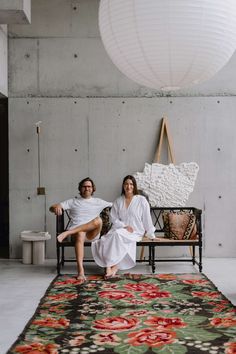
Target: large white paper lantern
168	44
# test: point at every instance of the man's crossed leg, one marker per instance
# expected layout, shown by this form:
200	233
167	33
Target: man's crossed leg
82	233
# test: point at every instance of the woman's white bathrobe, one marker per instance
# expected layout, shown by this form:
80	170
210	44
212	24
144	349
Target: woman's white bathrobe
118	246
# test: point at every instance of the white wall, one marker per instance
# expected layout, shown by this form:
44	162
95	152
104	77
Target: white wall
97	122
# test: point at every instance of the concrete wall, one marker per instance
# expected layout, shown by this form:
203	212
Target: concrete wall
11	11
97	122
3	61
15	11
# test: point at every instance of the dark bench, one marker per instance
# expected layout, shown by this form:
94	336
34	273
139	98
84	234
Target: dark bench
62	222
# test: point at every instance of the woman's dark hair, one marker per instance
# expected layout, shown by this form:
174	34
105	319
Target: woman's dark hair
134	183
87	179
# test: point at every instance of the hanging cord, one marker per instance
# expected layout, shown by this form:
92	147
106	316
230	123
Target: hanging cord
38	130
39	167
45	213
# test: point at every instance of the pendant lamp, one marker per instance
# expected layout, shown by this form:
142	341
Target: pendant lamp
168	44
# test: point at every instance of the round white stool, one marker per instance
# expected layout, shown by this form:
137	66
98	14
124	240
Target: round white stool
34	246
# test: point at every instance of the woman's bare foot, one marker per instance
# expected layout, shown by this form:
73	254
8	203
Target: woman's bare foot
114	270
111	272
62	236
108	273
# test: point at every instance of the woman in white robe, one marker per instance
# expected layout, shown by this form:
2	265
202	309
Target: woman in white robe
131	219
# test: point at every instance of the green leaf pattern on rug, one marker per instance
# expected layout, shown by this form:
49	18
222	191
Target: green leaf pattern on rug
131	314
171	349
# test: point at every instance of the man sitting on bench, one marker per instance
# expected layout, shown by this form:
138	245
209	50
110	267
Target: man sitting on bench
84	213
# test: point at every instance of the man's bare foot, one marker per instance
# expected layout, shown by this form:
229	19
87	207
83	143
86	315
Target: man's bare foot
62	236
81	277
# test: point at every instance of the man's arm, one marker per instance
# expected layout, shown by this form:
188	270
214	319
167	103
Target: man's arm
56	209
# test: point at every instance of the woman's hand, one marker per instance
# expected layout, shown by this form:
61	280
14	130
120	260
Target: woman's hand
129	228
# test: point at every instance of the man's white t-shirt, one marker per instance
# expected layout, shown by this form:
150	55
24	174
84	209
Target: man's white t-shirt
83	210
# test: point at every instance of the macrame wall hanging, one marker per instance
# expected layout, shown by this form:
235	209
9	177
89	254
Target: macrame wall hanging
167	185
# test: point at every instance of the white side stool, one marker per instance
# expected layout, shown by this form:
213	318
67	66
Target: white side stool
33	248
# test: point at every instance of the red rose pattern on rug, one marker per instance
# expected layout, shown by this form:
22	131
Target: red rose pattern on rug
131	314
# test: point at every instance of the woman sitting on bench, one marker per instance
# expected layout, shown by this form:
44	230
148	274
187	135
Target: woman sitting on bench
131	219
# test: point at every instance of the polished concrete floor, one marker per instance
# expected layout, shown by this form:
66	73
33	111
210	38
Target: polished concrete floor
22	286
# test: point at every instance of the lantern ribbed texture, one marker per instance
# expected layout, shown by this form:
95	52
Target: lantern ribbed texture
168	44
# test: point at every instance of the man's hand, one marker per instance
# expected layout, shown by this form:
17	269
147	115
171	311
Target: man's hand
56	209
129	228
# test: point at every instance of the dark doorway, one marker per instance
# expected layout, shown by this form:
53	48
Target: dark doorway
4	185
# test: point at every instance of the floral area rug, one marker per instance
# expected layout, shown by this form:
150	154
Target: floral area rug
131	314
